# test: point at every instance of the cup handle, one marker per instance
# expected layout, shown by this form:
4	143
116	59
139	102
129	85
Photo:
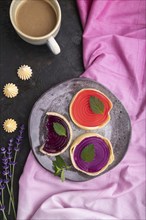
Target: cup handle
53	45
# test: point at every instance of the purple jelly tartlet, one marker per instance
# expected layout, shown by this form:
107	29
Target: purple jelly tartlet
58	134
91	153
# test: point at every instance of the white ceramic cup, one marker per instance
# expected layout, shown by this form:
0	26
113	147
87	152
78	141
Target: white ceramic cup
48	39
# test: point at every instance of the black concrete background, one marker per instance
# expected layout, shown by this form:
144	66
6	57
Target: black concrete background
48	70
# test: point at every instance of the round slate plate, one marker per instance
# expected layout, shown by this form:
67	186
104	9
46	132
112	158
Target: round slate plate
57	99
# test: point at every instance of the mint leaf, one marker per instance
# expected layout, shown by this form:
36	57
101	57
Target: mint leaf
62	175
59	167
60	162
56	169
88	153
96	105
59	129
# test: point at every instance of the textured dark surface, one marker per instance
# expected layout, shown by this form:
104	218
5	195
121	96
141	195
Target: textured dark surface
48	70
57	99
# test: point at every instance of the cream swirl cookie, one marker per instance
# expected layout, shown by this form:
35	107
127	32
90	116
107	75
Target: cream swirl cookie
10	125
24	72
10	90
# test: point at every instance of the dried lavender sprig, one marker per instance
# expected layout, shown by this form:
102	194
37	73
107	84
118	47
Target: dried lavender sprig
2	208
9	158
9	152
2	186
5	163
18	142
5	173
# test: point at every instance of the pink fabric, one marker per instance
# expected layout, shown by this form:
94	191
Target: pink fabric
114	55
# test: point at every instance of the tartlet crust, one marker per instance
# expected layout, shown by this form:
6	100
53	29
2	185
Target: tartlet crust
70	138
82	137
86	127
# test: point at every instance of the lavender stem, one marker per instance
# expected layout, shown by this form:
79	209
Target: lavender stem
12	181
11	199
2	196
4	215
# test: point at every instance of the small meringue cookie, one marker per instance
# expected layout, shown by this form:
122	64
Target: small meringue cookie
24	72
10	90
10	125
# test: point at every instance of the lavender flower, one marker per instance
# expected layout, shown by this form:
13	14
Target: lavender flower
20	136
5	172
4	160
16	148
10	144
10	157
2	186
9	152
5	167
2	207
3	150
10	174
11	140
6	180
9	149
13	163
22	127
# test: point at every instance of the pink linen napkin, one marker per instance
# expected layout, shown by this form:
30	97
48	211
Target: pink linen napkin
114	55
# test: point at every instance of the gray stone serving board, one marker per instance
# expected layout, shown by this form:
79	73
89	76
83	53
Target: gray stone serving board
57	99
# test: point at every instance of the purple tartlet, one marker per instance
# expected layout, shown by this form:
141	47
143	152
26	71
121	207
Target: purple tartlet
56	142
102	158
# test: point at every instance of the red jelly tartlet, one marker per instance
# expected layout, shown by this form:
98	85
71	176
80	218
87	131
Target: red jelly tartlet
90	108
